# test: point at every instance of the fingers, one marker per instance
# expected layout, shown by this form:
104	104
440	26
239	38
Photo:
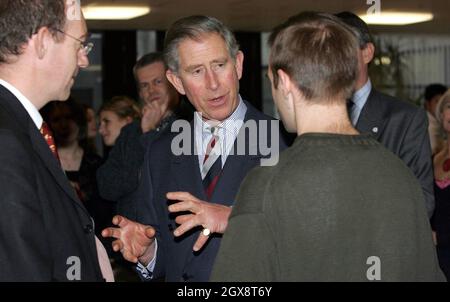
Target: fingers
202	239
129	256
119	220
183	218
111	232
181	196
150	232
186	226
117	245
187	202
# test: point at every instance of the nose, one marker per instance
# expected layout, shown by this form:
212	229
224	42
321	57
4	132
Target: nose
101	129
83	60
211	79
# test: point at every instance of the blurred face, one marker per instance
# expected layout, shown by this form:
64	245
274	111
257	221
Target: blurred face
110	126
153	86
287	112
65	59
445	117
208	76
431	105
65	129
91	123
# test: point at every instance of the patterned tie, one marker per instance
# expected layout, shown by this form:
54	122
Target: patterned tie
48	136
212	164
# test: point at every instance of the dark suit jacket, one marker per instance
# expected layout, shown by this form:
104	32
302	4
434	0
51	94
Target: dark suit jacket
43	225
402	128
164	172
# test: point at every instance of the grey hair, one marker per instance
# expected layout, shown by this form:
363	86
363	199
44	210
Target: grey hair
193	28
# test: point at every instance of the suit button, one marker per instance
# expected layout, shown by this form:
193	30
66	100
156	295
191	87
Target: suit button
186	277
88	228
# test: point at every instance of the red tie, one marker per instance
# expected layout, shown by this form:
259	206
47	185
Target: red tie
212	164
48	136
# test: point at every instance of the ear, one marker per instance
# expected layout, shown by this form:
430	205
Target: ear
42	40
175	80
239	63
368	52
284	82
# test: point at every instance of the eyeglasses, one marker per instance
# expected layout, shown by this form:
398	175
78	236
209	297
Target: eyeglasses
86	47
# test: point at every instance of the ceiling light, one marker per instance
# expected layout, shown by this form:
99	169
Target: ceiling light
92	12
396	18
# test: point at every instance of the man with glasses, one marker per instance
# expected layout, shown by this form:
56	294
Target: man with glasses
46	232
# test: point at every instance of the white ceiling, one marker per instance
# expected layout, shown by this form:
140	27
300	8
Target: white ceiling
263	15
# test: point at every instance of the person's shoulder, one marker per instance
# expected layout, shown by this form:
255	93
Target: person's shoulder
133	128
255	114
395	104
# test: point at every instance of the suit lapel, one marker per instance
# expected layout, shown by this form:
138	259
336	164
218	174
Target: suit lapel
372	118
42	149
186	170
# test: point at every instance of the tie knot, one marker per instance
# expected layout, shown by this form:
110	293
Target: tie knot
45	130
214	130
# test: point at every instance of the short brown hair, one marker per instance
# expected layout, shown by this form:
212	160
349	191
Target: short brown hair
20	19
148	59
319	52
123	106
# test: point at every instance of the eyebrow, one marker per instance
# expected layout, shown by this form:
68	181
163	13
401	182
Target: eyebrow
220	60
193	67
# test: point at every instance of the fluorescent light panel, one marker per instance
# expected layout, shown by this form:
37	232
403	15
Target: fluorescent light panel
396	18
114	12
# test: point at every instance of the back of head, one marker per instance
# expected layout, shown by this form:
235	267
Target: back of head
123	106
358	25
194	27
20	19
318	52
433	90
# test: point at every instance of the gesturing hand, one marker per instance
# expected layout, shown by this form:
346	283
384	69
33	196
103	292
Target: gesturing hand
211	216
134	240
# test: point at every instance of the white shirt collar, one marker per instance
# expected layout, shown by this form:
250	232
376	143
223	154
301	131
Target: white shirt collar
228	132
29	107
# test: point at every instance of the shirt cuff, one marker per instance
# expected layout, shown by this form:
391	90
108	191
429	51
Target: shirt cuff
147	272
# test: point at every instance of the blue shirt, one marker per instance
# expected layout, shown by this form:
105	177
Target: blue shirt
359	99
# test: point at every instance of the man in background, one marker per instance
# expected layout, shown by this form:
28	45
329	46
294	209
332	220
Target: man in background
399	126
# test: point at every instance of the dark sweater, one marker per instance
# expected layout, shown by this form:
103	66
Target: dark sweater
332	202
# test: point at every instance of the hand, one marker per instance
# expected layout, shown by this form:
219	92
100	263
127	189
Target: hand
208	215
152	115
134	240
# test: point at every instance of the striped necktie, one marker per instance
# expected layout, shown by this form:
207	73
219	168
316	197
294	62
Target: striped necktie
212	163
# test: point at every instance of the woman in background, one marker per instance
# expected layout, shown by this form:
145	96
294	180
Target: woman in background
115	114
69	126
441	217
